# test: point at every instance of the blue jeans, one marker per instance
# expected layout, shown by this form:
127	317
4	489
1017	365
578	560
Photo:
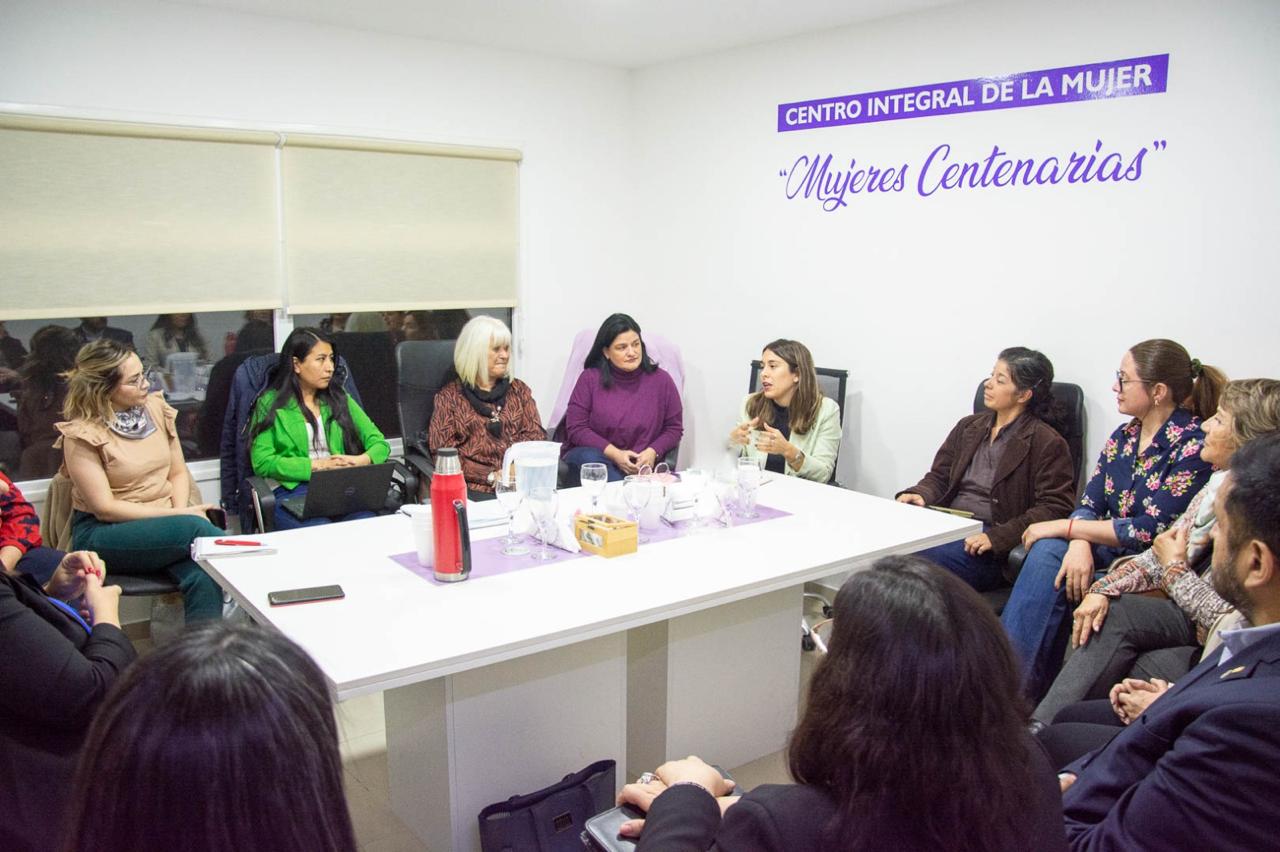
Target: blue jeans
579	456
286	521
1036	615
981	572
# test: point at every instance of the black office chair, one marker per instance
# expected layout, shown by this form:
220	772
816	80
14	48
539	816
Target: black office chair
371	358
214	409
1071	397
832	383
423	367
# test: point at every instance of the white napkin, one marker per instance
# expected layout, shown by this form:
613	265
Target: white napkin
562	535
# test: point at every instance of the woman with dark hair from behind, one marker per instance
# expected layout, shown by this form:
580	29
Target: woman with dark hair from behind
1008	466
625	410
304	422
222	740
53	352
913	738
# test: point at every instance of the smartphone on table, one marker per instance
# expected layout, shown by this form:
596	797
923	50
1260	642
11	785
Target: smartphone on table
297	596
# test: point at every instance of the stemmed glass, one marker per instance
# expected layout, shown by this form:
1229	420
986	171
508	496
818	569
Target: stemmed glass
636	491
542	504
510	498
595	476
748	485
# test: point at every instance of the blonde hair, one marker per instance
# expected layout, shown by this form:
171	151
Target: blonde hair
91	381
471	352
1254	405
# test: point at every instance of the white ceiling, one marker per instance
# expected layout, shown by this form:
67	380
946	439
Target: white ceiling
622	33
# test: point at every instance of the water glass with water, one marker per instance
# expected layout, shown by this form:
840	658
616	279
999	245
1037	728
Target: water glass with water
543	502
748	484
594	476
510	497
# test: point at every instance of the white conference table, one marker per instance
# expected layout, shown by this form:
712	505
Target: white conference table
501	685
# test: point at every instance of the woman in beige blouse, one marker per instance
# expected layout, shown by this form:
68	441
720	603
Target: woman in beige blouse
129	480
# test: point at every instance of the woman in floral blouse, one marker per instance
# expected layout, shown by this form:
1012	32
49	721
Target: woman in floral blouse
1147	473
1167	629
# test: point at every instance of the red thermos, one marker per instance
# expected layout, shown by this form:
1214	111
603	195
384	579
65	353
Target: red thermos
449	519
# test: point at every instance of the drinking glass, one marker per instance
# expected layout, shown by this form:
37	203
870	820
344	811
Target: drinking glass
636	491
510	498
748	485
595	476
542	503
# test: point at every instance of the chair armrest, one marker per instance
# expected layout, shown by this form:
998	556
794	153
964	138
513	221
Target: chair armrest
263	499
405	481
420	464
421	467
1013	567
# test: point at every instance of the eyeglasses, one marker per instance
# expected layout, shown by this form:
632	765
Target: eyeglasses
1121	380
140	381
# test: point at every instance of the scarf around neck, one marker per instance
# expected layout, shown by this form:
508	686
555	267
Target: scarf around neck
133	423
488	403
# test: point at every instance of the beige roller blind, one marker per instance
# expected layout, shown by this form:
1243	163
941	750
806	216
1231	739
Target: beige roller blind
372	225
102	218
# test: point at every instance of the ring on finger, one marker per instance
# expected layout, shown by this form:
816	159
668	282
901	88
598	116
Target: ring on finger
647	778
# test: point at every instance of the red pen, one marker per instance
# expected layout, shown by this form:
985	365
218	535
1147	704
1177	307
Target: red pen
231	542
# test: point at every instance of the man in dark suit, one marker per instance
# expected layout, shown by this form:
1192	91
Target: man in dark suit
95	328
1198	768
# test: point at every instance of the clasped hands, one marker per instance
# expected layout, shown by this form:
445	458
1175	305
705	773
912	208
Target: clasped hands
1132	696
629	461
651	785
336	461
78	580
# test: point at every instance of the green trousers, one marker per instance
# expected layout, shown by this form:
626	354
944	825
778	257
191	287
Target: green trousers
154	546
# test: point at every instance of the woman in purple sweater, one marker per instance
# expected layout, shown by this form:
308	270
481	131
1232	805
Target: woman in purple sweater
625	411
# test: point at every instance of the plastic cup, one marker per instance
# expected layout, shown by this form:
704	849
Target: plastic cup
423	541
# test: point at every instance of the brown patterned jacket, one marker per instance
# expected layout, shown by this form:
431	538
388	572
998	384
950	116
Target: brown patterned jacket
454	423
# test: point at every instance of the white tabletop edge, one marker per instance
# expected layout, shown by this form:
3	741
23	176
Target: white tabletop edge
465	661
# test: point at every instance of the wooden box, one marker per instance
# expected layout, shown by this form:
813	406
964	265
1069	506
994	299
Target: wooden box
606	535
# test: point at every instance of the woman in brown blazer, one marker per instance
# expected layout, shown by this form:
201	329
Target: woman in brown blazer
483	411
1008	466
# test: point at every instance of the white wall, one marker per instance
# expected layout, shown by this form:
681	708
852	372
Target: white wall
160	61
915	295
657	192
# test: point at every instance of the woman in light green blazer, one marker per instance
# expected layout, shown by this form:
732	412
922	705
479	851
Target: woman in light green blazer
796	429
304	422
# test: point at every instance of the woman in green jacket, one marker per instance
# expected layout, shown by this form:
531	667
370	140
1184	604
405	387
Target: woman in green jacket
796	429
304	422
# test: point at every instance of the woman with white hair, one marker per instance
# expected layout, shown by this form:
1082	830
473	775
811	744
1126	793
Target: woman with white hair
483	411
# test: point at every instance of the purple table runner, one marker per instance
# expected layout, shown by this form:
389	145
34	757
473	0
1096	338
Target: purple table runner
487	559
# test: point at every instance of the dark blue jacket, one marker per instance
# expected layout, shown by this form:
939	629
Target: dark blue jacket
1197	770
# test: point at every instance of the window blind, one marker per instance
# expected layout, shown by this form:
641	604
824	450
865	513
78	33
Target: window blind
100	218
380	225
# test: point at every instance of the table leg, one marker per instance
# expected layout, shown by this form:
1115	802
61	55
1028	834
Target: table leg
723	683
458	743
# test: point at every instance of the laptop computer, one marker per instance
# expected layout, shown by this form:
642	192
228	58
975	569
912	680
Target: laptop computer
342	491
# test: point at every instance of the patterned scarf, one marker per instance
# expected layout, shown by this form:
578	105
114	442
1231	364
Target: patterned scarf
133	423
